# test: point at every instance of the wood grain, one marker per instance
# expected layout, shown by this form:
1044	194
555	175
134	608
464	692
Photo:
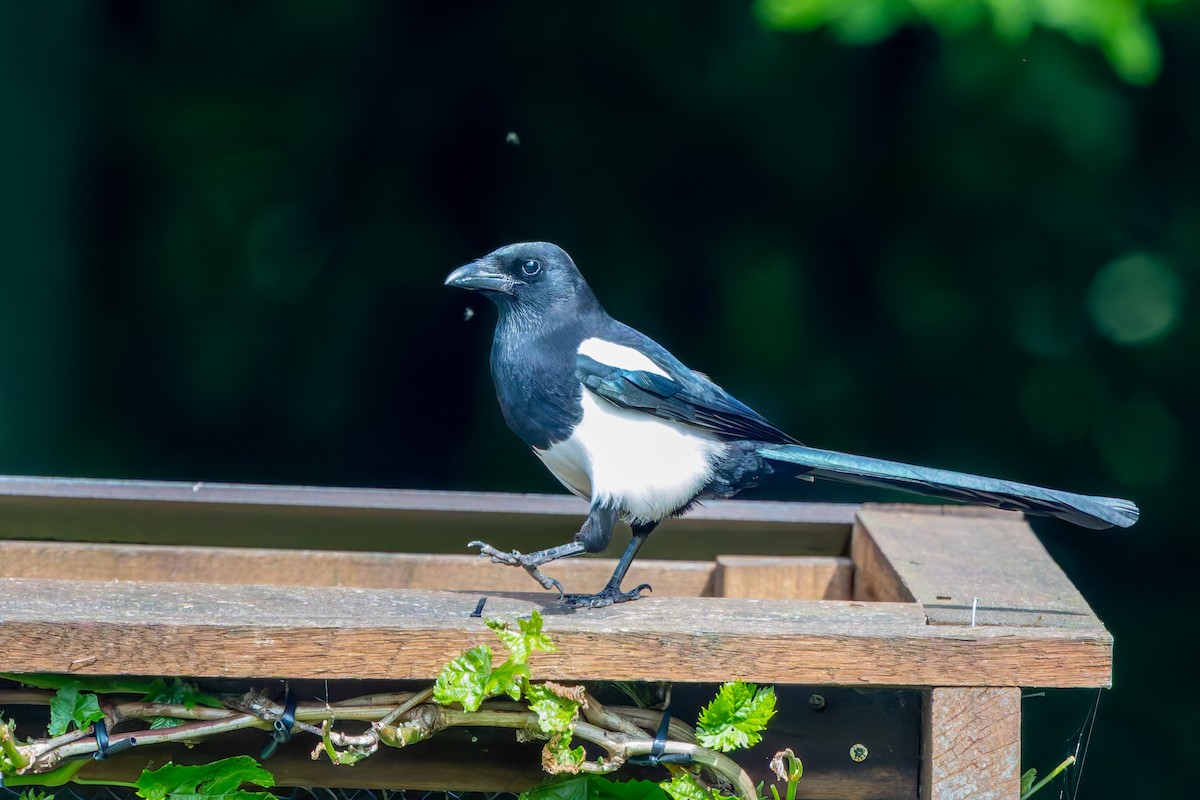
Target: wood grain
972	744
784	577
398	520
764	577
945	558
340	632
253	565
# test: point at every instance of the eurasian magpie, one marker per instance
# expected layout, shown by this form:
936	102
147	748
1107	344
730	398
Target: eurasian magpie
621	422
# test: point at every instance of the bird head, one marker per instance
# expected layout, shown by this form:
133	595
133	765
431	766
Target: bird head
529	278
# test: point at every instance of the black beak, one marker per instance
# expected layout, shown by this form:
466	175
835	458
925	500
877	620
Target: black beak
482	275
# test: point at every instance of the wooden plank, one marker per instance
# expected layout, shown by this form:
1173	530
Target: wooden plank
972	744
784	578
392	520
204	492
946	557
246	565
337	632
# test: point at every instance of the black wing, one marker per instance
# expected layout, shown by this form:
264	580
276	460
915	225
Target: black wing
685	396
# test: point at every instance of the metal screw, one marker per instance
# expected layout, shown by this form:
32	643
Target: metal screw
816	702
858	752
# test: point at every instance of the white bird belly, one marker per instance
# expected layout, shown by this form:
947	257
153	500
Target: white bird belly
643	465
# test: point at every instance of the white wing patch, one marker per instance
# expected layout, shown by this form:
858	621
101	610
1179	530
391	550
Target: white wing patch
645	466
619	356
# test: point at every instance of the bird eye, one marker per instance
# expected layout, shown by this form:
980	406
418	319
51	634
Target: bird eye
531	267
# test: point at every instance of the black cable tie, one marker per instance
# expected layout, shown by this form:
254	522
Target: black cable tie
658	756
478	612
103	748
283	726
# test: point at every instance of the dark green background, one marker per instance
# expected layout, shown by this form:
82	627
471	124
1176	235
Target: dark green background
224	229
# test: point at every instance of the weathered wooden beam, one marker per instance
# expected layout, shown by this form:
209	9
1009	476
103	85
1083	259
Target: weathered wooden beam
336	632
972	744
764	577
951	559
387	519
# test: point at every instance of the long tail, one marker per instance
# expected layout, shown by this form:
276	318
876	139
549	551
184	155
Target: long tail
1090	512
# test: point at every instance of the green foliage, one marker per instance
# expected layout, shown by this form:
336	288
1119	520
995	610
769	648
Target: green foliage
1029	788
1119	28
526	639
222	778
556	711
470	678
35	794
736	717
1027	779
71	706
593	787
683	786
86	683
789	769
177	692
559	756
465	679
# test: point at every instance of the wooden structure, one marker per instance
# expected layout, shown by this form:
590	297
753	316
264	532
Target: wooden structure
923	622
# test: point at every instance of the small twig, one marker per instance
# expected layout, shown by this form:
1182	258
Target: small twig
595	712
415	700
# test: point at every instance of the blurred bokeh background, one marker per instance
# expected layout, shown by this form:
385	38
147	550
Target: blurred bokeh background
963	233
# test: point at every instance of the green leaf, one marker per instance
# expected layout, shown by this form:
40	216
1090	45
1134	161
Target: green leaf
507	679
464	680
34	794
736	717
526	639
683	786
70	706
556	712
607	789
177	692
219	779
1027	779
593	787
559	756
100	685
576	787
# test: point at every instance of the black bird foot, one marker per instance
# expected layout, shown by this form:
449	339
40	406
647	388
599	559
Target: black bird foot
514	558
605	597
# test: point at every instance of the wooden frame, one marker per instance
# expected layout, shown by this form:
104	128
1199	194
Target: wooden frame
962	605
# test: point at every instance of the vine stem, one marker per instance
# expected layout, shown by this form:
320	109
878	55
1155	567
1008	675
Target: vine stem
1068	761
615	730
10	749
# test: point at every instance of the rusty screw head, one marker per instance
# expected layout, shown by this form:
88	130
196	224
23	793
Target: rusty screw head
858	752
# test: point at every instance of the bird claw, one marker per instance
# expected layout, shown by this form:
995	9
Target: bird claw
514	558
605	597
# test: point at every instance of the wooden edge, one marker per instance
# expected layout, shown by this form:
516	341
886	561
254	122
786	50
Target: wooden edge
764	577
204	492
204	630
368	570
875	579
971	744
984	568
784	578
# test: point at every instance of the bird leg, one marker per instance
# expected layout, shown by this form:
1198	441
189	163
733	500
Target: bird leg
592	537
612	593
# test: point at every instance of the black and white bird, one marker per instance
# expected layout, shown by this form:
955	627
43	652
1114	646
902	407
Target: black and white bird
621	422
